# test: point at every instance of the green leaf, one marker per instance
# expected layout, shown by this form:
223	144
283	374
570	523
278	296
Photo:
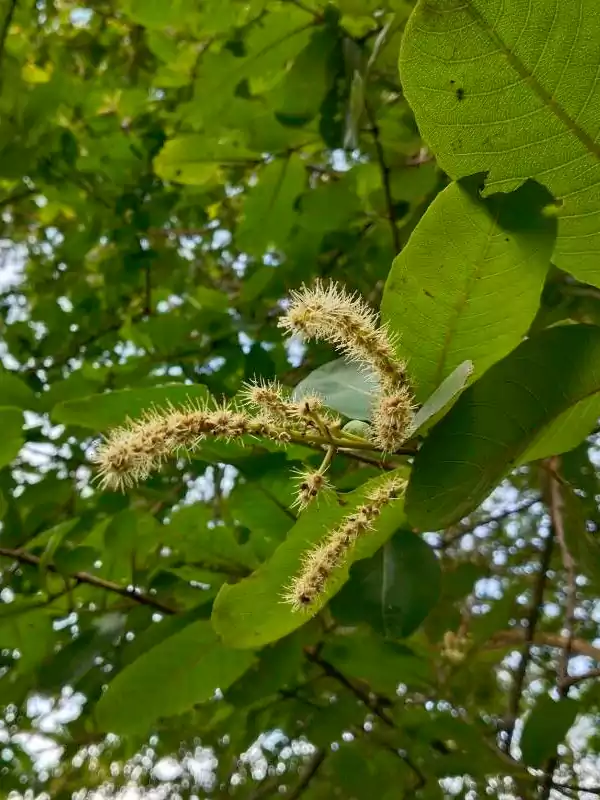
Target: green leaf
13	392
545	728
269	211
567	430
382	664
396	589
299	95
252	613
103	411
496	419
196	663
514	93
446	394
195	159
344	386
468	283
11	424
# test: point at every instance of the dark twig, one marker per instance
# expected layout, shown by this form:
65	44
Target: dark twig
385	177
562	673
6	25
573	680
492	520
23	557
309	773
535	611
372	701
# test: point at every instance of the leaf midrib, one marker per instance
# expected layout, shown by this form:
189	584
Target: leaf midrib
519	67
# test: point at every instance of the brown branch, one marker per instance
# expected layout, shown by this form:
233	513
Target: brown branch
23	557
562	673
371	700
6	25
385	177
309	773
519	635
572	680
492	520
532	621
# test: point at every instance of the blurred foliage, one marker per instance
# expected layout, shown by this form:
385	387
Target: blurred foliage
169	171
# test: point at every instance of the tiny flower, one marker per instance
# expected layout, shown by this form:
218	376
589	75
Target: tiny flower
310	483
268	398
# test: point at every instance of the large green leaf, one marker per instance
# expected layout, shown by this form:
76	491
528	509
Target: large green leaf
13	392
566	431
343	386
446	394
396	589
546	727
497	418
468	283
113	408
196	664
512	89
252	612
11	424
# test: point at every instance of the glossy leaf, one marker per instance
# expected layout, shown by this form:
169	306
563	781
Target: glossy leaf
513	91
396	589
496	419
343	386
467	284
545	728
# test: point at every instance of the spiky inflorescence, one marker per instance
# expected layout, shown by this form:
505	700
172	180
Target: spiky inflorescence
131	453
330	313
320	563
310	483
393	419
267	397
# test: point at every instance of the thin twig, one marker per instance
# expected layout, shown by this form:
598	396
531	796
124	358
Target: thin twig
371	700
6	25
532	621
562	672
573	680
309	773
23	557
518	635
492	520
385	177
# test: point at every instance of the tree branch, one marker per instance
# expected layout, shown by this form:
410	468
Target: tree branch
532	621
6	25
309	773
385	177
492	520
562	673
518	635
24	557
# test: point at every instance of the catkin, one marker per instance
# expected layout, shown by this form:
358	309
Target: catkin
330	313
322	561
131	453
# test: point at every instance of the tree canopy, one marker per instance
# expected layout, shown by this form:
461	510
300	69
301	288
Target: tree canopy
358	561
